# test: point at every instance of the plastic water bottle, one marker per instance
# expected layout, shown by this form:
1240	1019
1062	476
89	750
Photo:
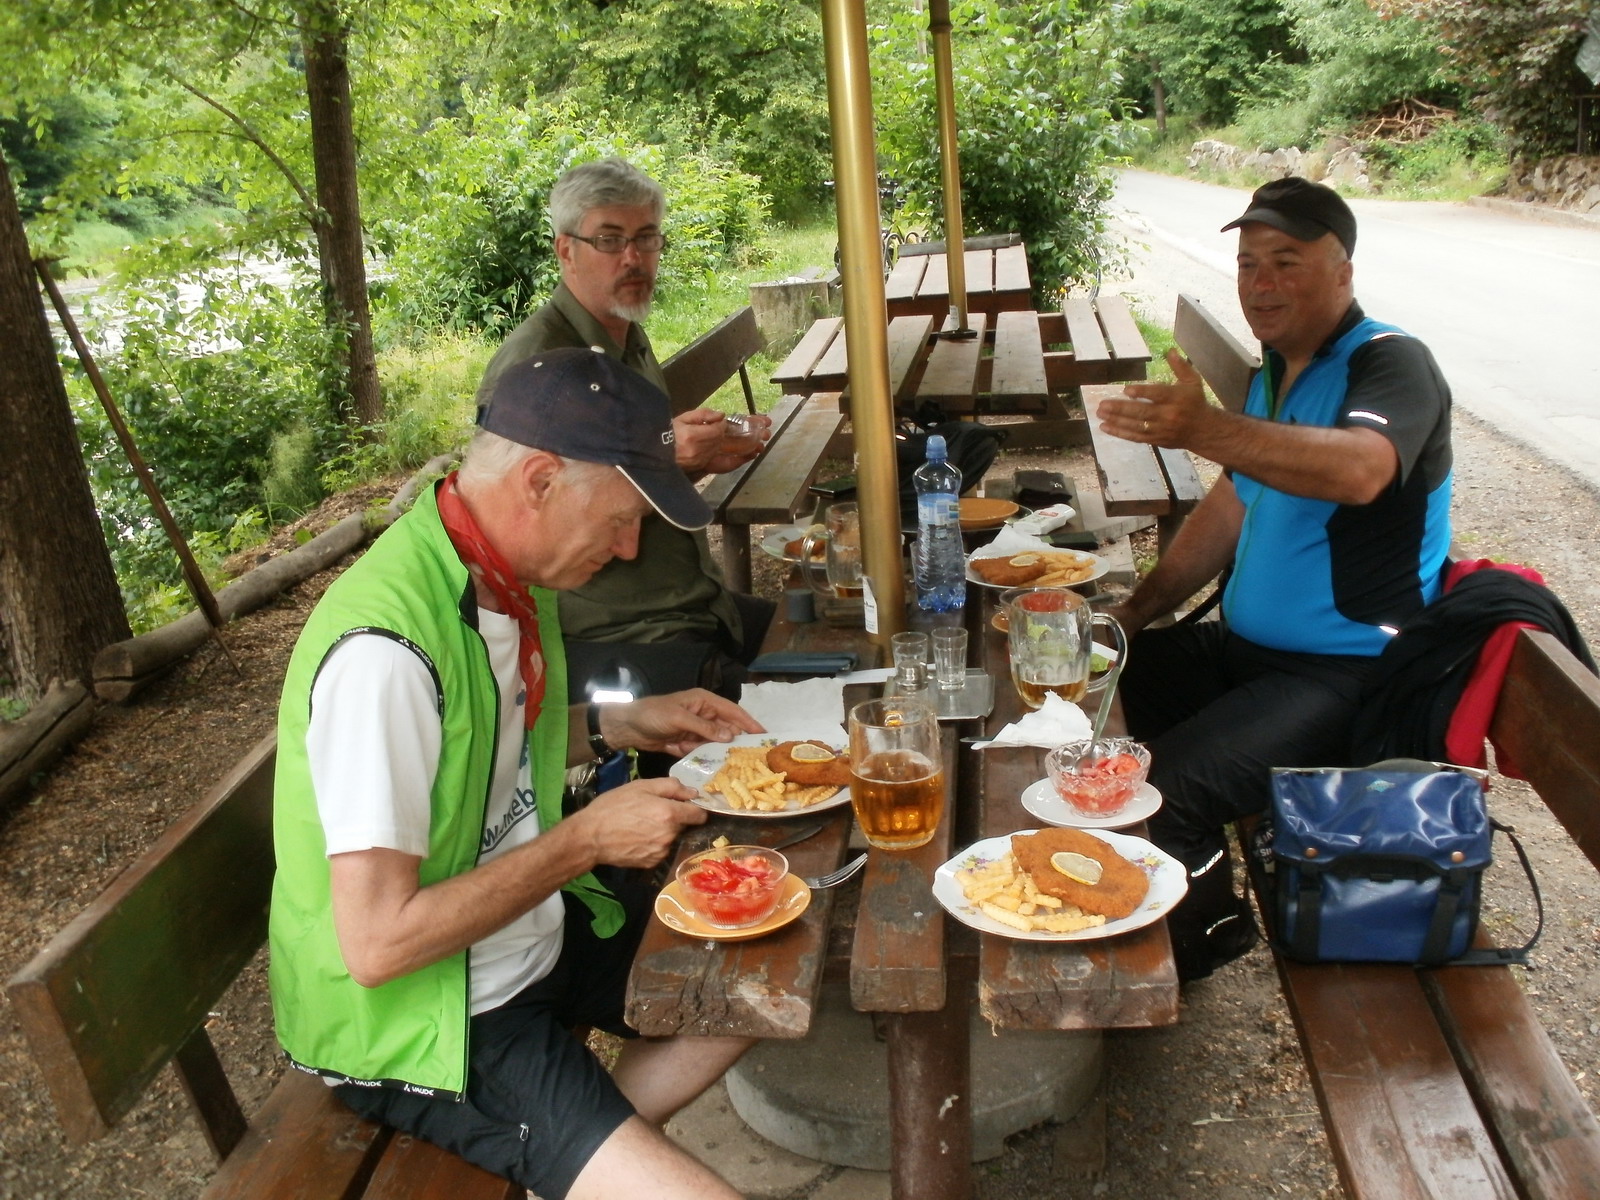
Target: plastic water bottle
938	564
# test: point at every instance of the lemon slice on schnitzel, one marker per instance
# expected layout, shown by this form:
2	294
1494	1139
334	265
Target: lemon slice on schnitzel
1077	866
811	752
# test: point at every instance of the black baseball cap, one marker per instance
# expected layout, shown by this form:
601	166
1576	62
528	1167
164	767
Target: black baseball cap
583	404
1304	210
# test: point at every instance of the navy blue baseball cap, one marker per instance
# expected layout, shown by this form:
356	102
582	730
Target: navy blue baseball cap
1304	210
583	404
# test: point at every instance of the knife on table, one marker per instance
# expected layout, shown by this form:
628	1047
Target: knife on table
788	839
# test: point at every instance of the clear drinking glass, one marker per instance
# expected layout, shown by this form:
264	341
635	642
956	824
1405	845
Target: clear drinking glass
1050	631
841	575
897	772
910	651
950	659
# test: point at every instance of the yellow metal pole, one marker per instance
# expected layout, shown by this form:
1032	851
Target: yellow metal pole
855	173
949	159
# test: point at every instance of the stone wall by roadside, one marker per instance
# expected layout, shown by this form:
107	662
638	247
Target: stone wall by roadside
1339	163
1571	182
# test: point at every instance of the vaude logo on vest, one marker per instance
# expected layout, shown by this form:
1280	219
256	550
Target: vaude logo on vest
415	1090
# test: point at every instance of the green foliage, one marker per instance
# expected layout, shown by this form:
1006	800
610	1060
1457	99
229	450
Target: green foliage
1356	62
1518	60
476	252
1204	51
1034	85
1462	158
208	373
745	75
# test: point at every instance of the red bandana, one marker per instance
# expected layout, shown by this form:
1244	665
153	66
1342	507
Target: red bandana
488	567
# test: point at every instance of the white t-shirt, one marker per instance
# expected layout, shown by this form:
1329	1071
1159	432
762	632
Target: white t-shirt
373	744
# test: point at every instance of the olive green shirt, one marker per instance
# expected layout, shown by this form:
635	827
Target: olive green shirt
672	589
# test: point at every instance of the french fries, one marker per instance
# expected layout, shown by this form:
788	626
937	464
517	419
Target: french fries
747	785
1004	892
1065	568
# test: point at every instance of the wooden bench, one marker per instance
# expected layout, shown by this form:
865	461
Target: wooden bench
129	986
1441	1084
1155	480
997	278
771	487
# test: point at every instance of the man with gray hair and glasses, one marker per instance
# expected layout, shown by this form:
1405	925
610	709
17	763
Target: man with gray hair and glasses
665	620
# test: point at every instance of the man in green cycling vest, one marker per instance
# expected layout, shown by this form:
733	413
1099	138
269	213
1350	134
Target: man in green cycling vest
437	928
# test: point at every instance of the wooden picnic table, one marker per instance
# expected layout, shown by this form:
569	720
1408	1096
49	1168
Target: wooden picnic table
1012	362
906	961
997	281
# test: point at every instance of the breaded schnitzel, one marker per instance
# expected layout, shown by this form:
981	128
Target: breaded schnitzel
1122	885
833	770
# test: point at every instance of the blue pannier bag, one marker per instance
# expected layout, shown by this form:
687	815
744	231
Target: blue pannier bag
1384	864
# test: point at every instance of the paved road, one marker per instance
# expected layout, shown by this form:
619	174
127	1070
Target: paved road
1510	306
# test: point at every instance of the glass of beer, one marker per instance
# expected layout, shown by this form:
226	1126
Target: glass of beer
840	578
897	772
1050	632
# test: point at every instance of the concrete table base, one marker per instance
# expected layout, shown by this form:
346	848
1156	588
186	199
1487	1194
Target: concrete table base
826	1096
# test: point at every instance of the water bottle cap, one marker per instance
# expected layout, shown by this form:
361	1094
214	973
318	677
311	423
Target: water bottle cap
936	448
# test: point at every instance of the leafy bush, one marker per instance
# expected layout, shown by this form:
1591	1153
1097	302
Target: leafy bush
475	252
1203	52
1034	85
207	372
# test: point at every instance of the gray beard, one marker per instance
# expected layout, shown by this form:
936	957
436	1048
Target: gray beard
637	313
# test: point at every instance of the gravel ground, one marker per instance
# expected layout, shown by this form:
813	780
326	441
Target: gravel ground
1215	1105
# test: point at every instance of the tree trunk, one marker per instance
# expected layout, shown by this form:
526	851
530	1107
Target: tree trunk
59	601
323	34
1161	104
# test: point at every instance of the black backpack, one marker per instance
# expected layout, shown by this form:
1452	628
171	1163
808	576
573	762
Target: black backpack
970	446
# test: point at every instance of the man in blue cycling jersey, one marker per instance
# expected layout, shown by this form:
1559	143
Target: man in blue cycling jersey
1333	511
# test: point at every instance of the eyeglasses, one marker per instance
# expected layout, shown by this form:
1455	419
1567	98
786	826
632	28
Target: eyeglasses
615	243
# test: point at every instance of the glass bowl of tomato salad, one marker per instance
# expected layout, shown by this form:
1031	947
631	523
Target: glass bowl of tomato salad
1102	786
733	887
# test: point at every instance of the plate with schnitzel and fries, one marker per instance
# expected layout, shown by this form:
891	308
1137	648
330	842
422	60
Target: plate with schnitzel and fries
1034	568
760	775
1060	885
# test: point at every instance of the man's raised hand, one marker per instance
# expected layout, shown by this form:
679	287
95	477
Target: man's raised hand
1159	414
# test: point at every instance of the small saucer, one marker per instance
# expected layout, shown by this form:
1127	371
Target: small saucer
672	912
1043	801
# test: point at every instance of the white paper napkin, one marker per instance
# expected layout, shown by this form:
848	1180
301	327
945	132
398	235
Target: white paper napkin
805	708
1009	542
1042	520
1055	724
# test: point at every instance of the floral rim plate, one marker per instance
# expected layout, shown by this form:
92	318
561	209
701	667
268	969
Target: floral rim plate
697	768
1100	567
1168	883
672	912
1043	801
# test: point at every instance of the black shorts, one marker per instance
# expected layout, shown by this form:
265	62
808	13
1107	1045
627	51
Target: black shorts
538	1103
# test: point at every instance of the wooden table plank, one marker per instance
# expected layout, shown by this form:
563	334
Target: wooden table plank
952	371
1011	270
905	278
1017	369
980	272
908	348
1083	331
1118	982
898	961
792	376
774	489
936	280
762	988
833	366
1122	331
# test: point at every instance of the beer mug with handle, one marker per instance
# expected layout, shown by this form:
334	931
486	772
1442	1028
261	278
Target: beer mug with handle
1050	631
840	578
896	772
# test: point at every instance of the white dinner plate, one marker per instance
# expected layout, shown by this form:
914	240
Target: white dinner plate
1043	801
1168	883
1100	567
697	768
780	536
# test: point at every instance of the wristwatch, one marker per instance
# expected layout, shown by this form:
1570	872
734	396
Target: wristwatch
597	740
